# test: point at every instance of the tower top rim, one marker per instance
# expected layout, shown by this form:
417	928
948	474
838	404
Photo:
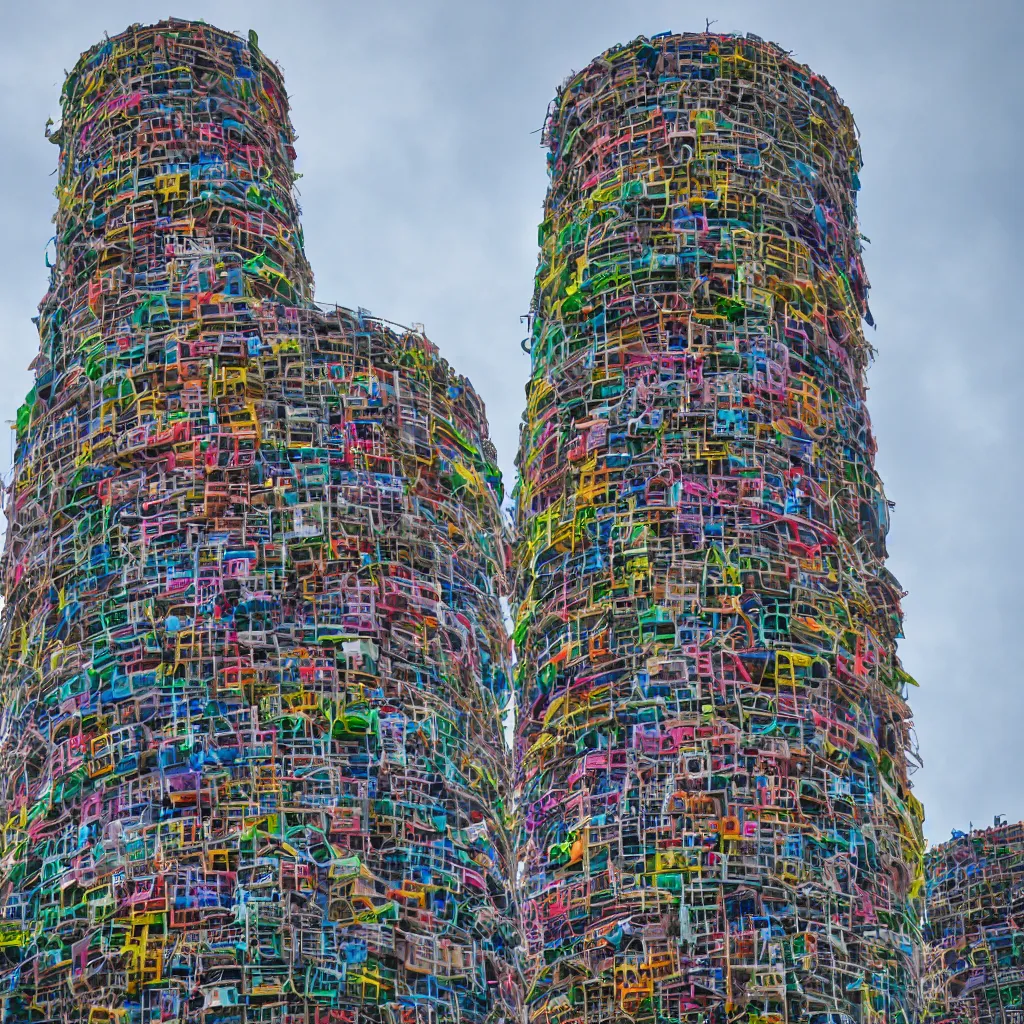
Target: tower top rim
660	42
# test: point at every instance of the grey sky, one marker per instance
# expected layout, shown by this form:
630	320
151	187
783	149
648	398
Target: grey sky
421	194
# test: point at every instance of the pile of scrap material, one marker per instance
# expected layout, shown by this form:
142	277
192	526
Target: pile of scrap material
975	928
714	743
252	758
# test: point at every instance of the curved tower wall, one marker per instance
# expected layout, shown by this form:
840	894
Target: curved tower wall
713	736
252	767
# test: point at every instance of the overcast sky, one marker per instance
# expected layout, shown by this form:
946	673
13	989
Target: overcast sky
422	188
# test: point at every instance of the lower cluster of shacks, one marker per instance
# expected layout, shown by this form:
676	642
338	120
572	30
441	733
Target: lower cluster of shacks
975	929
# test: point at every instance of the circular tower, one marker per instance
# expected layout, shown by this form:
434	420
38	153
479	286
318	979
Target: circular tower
252	756
713	739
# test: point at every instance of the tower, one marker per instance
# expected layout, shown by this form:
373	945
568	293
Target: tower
255	664
713	739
